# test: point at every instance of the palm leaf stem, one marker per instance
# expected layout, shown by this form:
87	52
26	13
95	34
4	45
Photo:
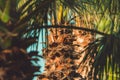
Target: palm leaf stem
72	27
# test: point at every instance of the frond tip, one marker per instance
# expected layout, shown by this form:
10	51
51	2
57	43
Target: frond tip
105	53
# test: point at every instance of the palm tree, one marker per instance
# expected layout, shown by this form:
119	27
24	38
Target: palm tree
103	19
21	21
18	31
